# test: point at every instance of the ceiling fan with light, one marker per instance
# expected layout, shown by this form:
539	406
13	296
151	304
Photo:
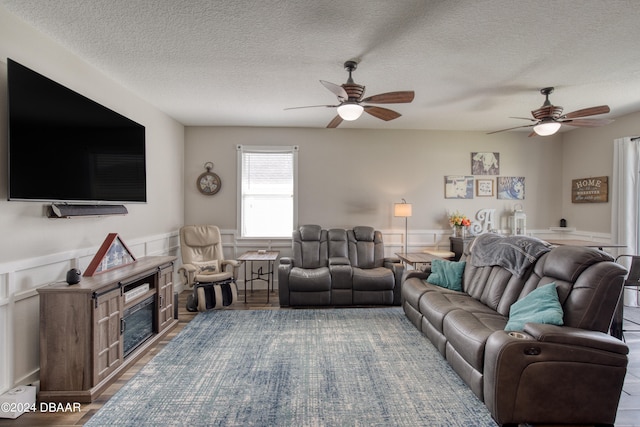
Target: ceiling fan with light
350	106
548	118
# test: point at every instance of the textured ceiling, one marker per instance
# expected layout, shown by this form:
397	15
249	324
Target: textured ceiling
472	64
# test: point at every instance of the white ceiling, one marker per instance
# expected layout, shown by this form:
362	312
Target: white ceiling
471	63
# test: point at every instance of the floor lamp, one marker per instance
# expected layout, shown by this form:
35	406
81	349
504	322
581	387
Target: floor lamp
403	210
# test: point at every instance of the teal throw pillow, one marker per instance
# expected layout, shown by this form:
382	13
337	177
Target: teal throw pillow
447	274
540	306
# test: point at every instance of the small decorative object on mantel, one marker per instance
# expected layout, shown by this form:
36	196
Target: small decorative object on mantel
112	254
590	190
486	221
459	222
518	221
209	183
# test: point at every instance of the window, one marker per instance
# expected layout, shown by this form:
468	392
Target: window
267	199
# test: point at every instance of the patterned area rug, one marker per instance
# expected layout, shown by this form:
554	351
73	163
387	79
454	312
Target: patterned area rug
328	367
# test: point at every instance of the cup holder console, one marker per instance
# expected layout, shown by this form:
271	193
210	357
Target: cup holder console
519	335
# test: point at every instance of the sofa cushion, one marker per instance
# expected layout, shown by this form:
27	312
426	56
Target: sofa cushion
373	279
447	274
309	279
310	232
539	306
468	331
439	302
364	233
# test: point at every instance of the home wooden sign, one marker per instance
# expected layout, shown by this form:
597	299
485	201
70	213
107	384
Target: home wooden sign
590	190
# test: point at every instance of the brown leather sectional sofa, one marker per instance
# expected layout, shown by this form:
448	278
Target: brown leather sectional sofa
545	373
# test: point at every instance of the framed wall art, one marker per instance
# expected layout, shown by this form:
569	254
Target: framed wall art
485	187
458	187
511	187
590	190
485	163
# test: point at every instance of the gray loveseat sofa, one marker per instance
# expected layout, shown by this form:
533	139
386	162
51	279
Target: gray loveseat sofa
541	373
338	267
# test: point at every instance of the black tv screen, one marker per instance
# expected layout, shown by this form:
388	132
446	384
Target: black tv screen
65	147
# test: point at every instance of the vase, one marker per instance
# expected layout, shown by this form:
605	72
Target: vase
459	231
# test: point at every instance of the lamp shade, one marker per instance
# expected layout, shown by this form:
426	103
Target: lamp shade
546	128
350	111
402	209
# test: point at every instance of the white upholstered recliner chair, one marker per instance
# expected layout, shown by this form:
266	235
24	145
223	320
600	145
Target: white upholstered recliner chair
204	268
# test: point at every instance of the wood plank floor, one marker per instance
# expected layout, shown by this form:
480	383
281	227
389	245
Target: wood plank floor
628	413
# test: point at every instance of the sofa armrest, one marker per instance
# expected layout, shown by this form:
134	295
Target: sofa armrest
234	264
420	274
398	270
341	272
339	260
188	273
284	268
551	373
575	337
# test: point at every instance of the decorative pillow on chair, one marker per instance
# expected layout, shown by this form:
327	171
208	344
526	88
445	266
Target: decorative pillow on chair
207	267
540	306
447	274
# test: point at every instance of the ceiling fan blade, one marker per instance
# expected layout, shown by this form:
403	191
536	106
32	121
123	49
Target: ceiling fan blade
591	111
587	123
312	106
336	89
524	118
382	113
515	127
533	134
399	97
335	122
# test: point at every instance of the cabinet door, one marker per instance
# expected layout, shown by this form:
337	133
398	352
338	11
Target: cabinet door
107	337
165	298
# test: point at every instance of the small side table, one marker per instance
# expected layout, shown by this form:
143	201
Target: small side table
458	245
415	258
251	256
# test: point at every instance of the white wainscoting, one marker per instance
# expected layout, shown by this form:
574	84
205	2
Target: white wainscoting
19	302
19	280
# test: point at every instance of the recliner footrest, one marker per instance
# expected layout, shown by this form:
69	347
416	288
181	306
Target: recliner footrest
211	296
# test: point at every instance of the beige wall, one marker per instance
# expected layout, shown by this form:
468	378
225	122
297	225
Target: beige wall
25	231
35	250
346	177
352	177
589	153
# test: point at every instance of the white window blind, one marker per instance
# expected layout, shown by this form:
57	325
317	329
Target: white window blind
267	190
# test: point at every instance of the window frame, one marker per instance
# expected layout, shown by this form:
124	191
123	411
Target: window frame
292	149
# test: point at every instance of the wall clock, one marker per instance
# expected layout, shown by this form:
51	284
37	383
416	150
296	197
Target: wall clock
208	183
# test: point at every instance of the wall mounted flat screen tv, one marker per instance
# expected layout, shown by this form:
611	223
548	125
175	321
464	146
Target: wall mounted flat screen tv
64	147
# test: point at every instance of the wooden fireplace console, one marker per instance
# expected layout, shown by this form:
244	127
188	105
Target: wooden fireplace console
82	327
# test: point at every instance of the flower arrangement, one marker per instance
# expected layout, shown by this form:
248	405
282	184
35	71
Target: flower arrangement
457	219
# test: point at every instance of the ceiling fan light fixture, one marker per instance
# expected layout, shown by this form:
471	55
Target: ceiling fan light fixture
546	128
350	111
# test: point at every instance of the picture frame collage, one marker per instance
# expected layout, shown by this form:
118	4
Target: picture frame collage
484	180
